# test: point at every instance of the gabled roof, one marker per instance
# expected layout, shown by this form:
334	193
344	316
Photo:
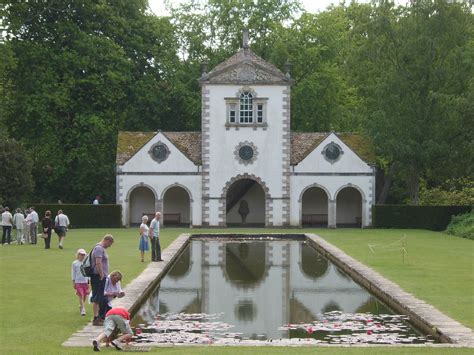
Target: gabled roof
129	143
245	67
302	144
189	143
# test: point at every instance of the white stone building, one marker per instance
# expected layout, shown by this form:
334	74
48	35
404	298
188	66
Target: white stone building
246	167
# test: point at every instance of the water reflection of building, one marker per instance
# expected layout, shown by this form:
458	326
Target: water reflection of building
258	286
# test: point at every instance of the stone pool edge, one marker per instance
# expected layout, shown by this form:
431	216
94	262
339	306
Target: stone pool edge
425	316
135	292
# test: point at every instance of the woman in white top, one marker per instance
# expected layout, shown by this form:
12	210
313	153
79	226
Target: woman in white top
143	244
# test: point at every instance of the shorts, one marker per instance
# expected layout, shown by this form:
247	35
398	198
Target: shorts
115	320
82	289
98	286
61	231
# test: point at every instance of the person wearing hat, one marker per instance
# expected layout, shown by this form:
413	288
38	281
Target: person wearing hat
79	282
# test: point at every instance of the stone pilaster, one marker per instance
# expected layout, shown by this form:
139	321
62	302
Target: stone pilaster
332	214
286	155
205	128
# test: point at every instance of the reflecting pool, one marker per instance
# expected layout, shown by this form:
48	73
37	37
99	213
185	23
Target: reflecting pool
228	291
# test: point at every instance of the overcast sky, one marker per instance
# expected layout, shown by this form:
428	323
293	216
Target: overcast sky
158	6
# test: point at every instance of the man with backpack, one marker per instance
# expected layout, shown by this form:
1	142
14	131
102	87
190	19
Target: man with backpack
100	261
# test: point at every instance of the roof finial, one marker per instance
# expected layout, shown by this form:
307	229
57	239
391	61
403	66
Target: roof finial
245	38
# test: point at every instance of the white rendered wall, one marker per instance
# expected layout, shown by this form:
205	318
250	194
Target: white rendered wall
142	170
332	184
349	162
143	162
349	171
158	184
223	142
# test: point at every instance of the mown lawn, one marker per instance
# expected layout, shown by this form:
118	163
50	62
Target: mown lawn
38	307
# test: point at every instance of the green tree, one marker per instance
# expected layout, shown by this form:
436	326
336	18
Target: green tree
316	46
413	68
16	180
83	70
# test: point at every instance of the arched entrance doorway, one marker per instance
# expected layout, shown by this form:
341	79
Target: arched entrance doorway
314	207
176	207
142	201
245	204
349	208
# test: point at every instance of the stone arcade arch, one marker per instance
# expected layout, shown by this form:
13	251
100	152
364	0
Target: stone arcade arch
245	263
247	195
177	205
349	206
312	264
314	206
141	200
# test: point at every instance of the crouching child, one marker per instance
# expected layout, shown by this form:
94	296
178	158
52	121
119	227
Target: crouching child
117	317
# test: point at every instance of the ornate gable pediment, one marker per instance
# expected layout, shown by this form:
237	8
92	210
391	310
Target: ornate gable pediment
245	74
245	68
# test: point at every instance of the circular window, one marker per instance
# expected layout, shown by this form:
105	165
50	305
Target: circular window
246	152
159	152
332	152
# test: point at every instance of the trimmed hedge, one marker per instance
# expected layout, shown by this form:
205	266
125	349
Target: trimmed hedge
85	216
434	218
462	226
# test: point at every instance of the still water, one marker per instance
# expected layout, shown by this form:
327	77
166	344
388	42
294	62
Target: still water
228	291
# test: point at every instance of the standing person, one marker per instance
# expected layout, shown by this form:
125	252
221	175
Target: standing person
154	234
113	288
79	282
100	259
143	244
33	225
48	225
61	222
26	226
18	222
7	223
117	317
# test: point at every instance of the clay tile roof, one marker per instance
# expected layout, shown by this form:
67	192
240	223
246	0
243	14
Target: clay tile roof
129	143
189	143
304	143
246	56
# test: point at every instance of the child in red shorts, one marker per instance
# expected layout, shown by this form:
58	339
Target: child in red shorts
79	282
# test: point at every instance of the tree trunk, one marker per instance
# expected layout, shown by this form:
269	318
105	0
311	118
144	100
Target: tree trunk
414	186
387	183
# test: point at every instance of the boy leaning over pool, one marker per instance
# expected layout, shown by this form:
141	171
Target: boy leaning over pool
117	317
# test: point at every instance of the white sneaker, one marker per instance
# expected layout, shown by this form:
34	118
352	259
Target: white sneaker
83	311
